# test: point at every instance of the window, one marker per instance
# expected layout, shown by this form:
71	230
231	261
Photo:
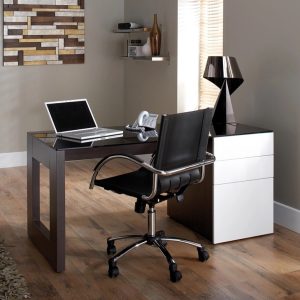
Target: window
211	44
200	34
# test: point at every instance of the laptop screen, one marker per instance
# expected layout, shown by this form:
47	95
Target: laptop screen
71	115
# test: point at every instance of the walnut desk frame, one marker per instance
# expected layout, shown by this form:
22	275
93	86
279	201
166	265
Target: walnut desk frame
44	148
221	209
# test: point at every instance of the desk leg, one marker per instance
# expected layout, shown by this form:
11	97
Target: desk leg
57	208
50	243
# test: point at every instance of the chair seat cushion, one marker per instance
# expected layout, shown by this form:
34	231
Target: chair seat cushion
133	184
139	183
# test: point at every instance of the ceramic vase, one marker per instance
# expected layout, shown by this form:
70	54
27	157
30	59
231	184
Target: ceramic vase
146	49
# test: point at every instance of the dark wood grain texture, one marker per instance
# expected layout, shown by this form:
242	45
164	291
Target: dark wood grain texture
51	241
260	268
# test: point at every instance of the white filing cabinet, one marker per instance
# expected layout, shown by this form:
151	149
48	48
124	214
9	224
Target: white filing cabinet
236	199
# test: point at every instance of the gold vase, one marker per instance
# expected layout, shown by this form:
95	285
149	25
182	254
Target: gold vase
155	38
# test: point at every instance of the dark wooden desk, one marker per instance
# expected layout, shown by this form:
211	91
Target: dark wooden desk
45	148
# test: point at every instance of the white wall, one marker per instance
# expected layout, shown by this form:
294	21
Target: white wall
152	86
101	80
264	37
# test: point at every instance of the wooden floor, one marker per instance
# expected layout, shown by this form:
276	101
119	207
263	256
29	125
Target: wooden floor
265	267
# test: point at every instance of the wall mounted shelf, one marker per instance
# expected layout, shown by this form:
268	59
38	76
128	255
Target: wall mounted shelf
147	58
141	58
136	30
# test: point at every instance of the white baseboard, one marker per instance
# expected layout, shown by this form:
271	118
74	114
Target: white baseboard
18	159
13	159
287	216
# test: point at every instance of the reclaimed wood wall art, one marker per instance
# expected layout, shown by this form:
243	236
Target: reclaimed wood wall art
43	32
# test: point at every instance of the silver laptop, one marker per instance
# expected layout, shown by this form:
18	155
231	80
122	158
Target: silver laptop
73	119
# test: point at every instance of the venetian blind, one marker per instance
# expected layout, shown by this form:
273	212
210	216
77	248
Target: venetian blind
211	44
188	54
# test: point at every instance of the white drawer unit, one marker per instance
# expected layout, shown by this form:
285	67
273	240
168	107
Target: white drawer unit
243	169
247	211
241	146
235	201
243	186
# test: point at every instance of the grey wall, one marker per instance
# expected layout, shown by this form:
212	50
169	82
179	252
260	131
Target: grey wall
264	37
101	80
152	86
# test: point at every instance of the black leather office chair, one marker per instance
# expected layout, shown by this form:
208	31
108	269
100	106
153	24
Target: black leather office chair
179	161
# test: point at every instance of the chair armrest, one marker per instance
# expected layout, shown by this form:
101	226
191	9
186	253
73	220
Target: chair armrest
106	159
210	158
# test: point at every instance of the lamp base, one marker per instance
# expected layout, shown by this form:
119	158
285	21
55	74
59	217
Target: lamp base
223	111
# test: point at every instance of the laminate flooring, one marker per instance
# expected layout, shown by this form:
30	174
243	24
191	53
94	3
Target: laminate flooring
266	267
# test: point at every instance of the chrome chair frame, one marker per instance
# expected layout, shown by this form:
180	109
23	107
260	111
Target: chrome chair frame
152	237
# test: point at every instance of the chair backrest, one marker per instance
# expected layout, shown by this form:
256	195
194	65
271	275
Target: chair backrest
183	139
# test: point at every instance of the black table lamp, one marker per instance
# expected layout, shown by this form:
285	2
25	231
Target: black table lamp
224	72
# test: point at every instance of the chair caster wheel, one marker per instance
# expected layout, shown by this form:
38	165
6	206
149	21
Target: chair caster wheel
111	248
113	270
175	275
202	254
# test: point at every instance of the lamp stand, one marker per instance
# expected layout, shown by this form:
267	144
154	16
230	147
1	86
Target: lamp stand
223	111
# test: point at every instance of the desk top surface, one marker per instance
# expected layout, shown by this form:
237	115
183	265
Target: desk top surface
131	138
223	130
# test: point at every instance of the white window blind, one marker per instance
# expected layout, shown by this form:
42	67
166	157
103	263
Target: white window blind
211	44
200	34
188	54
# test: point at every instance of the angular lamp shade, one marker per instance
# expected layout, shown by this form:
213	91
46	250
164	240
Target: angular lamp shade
224	72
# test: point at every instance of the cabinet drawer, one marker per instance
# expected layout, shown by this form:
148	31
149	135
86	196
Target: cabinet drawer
251	168
242	210
241	146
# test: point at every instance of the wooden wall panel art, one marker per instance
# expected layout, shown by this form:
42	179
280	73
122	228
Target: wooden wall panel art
43	32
